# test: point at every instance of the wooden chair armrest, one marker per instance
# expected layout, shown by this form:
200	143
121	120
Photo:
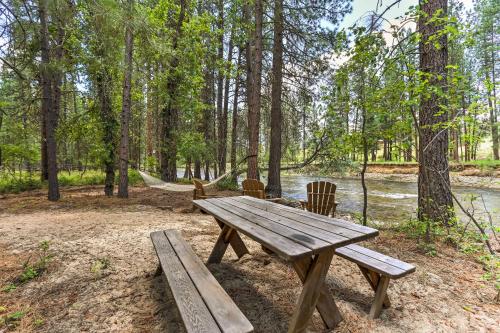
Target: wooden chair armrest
274	199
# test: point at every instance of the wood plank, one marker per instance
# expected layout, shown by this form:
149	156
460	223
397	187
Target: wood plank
373	264
311	291
312	231
379	297
310	242
326	304
280	245
194	312
382	257
373	279
317	217
220	246
222	307
236	242
343	229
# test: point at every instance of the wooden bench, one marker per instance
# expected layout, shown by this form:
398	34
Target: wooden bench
203	305
378	269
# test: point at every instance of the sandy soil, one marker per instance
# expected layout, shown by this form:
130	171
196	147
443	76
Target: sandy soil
446	294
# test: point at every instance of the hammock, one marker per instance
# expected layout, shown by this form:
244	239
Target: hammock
158	183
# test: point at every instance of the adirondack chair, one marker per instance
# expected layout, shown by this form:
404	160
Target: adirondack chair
253	188
320	198
199	192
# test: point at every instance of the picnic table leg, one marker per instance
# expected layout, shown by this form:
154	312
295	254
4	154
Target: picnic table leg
326	304
236	242
313	283
227	236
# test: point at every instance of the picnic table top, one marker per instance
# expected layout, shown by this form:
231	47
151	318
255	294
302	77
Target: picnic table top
290	232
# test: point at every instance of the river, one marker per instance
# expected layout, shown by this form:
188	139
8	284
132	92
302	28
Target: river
388	201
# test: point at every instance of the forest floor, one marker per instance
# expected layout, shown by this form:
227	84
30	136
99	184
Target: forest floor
100	277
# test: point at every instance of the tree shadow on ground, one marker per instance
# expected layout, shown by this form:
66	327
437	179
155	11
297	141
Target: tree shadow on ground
256	306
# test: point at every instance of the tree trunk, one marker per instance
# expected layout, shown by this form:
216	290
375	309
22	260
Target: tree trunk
108	120
434	192
149	116
220	86
273	187
170	114
49	110
234	128
493	100
254	61
125	116
1	122
223	120
197	169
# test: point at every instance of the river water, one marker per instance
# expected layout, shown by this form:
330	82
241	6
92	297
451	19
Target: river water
388	201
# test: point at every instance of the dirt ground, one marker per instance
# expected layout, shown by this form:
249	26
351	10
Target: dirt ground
77	294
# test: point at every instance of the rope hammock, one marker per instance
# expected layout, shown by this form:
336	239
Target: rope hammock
158	183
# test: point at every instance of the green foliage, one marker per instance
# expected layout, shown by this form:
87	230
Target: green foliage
99	266
12	320
32	270
26	182
227	183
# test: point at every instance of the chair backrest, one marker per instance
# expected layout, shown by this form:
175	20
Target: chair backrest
198	186
321	197
253	188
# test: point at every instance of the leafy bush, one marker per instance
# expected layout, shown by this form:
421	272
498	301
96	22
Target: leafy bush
9	184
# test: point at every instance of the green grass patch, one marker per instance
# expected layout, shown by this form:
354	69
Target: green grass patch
31	270
488	163
21	182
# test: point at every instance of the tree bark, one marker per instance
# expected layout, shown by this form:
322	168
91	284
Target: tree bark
126	104
104	83
223	121
273	187
49	97
254	61
149	115
220	86
234	128
493	100
434	193
170	114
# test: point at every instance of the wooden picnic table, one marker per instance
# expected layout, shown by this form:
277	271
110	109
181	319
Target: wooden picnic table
305	239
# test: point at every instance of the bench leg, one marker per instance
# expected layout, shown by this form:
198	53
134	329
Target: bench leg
326	304
236	242
311	292
380	296
373	279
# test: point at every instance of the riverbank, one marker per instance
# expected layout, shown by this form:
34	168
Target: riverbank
457	178
100	275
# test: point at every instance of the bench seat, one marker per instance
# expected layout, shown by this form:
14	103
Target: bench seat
203	304
378	269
